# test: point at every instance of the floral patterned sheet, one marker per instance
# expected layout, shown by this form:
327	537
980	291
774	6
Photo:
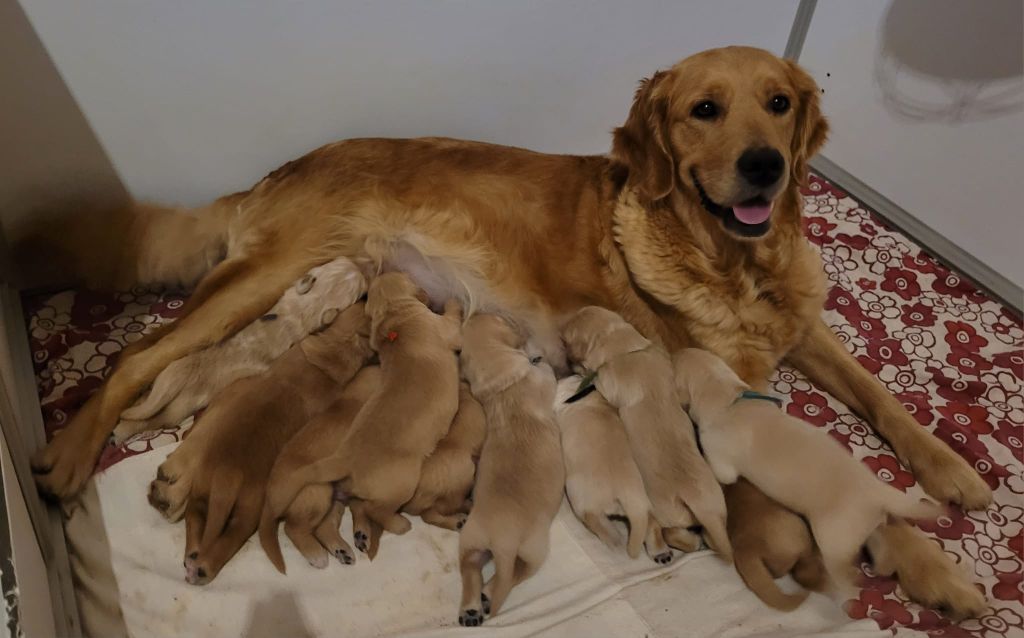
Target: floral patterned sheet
951	354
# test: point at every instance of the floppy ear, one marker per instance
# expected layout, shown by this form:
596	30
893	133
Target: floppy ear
642	145
811	127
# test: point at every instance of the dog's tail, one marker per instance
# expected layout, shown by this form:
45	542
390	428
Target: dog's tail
168	385
638	514
759	580
133	244
224	489
269	539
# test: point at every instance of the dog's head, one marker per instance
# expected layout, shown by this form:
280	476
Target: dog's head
729	128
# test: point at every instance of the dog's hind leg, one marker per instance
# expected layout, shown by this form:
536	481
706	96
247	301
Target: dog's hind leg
300	532
63	466
655	545
600	526
433	517
215	552
471	564
329	534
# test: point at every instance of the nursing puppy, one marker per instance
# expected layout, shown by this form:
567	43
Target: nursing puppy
313	518
520	478
601	477
447	476
189	383
796	464
768	543
636	377
380	459
217	476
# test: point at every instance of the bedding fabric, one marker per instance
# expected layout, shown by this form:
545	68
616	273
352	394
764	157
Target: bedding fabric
952	355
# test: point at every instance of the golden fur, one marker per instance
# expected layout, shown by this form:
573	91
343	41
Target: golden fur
636	377
380	459
534	236
791	461
520	479
218	475
304	518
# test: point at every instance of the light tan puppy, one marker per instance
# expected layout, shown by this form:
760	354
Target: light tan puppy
447	476
768	543
521	477
312	519
601	477
218	474
189	383
380	460
796	464
636	377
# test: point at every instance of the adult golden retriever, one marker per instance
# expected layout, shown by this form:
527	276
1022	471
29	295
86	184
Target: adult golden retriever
690	229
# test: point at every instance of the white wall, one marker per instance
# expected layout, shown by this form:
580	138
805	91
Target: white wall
958	170
195	98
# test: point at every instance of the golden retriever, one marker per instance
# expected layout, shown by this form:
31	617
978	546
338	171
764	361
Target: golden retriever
380	459
306	519
218	475
636	377
521	477
650	230
793	462
189	383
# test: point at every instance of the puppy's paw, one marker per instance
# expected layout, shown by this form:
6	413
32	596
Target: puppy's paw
664	558
195	574
344	557
485	604
471	618
460	521
361	541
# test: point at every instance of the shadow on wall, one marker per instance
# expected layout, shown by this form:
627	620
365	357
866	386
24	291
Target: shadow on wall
950	60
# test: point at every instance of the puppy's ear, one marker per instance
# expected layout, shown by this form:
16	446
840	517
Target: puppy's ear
642	143
811	126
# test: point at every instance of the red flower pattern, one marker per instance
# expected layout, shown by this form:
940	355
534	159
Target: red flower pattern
950	390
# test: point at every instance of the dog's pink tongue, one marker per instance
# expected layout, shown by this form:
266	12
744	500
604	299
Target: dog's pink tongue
752	213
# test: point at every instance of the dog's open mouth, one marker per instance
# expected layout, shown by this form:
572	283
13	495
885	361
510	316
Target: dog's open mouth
750	218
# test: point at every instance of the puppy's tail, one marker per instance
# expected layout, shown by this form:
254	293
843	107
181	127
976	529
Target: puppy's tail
269	539
759	580
638	514
135	243
168	385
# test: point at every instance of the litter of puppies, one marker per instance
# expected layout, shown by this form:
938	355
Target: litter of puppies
387	409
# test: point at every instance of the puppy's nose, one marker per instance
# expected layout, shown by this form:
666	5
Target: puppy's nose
761	166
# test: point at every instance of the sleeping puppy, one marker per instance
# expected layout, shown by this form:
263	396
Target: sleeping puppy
769	542
520	478
635	376
447	476
601	477
744	435
218	474
189	383
380	459
313	518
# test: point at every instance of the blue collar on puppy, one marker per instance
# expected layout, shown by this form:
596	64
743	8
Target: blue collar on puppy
751	394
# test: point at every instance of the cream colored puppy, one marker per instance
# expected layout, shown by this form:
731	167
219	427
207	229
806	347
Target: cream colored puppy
601	477
792	462
189	383
520	477
635	376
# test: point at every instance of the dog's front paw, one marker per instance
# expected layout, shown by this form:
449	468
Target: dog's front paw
471	618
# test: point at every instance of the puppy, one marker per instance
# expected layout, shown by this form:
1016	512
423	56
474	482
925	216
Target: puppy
520	478
768	542
380	459
187	384
447	476
313	518
601	477
636	377
796	464
218	474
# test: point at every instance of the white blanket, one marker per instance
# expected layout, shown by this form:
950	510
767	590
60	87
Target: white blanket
128	565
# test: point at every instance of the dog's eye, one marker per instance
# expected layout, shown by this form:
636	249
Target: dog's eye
705	110
779	104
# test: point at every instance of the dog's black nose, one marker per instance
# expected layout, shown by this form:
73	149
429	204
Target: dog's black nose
761	166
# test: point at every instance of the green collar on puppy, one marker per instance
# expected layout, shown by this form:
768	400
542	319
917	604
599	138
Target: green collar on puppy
751	394
587	382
